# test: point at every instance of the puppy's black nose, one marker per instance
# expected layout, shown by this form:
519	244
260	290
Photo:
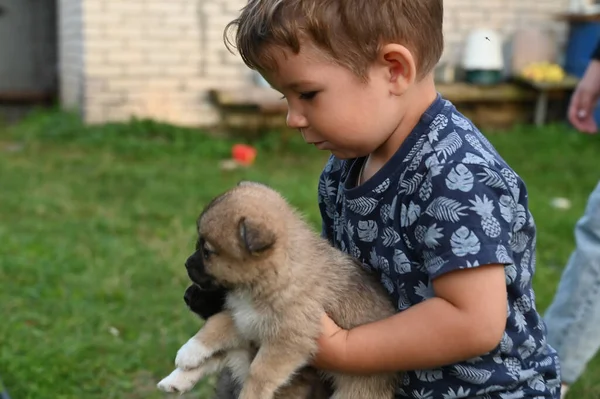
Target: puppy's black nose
193	260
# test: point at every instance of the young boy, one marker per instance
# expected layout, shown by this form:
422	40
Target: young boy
415	192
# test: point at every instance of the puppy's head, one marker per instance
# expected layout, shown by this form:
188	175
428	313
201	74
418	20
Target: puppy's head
240	234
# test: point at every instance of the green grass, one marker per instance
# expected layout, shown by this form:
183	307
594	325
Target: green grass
96	222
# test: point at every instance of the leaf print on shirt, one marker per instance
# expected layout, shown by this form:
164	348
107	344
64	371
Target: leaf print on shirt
438	124
514	367
425	190
393	207
412	185
461	393
409	215
420	231
491	178
448	146
508	208
367	230
537	383
432	235
485	392
525	278
460	178
521	218
416	150
472	159
382	187
387	283
403	302
385	213
523	304
470	374
424	291
513	183
506	344
527	348
484	207
502	255
429	375
390	237
446	209
363	206
328	187
476	144
353	248
461	122
401	263
433	263
519	241
519	320
422	394
464	242
433	164
379	262
510	273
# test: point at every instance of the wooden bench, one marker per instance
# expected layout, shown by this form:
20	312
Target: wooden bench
254	110
498	106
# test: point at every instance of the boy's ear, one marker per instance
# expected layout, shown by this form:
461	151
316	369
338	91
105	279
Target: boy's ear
401	67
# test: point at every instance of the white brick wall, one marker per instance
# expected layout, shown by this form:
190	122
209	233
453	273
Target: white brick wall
70	49
158	58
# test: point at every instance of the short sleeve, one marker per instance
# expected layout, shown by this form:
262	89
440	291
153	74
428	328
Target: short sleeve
462	215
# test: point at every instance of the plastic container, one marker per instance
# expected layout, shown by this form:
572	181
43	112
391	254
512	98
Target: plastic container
483	60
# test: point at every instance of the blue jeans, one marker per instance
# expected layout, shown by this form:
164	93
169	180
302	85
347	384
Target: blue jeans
573	318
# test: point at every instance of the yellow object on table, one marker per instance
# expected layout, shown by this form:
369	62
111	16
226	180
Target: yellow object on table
545	77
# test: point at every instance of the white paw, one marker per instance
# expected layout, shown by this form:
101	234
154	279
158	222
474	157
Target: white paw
179	381
192	354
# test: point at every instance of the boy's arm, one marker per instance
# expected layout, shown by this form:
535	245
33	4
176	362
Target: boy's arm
461	231
466	318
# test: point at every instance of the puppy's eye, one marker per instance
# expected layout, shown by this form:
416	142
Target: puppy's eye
206	253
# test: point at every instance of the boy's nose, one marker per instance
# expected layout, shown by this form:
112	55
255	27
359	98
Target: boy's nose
295	119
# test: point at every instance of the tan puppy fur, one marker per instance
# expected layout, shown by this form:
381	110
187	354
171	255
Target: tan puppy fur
281	276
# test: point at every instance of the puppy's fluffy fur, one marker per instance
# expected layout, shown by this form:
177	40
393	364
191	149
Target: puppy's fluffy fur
280	276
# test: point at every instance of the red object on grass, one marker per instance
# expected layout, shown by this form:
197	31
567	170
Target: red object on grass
243	154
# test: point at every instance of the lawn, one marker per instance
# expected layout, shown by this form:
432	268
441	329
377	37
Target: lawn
96	223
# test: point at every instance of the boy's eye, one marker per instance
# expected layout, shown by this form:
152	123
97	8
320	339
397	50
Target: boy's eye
309	95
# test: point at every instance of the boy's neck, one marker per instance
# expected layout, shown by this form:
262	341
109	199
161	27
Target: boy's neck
415	102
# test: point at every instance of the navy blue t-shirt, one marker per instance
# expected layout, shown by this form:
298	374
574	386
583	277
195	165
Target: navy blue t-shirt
446	201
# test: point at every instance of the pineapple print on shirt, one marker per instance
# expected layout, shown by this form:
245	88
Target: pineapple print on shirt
445	201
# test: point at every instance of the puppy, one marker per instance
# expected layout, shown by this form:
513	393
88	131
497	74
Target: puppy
206	303
280	277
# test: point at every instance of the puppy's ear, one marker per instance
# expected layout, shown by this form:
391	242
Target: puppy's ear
244	183
255	237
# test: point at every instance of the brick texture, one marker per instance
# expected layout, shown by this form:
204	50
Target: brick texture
158	58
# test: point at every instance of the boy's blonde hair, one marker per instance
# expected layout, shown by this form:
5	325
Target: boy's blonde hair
350	32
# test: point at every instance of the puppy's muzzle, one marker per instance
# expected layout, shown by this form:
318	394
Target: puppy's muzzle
195	269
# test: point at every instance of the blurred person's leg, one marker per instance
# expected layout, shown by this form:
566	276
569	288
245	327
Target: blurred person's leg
573	318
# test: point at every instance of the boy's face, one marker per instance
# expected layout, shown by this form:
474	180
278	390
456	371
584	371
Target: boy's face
332	107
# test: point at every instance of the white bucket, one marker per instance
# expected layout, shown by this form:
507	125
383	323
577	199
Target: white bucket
483	51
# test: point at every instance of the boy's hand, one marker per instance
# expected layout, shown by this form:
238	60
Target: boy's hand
332	345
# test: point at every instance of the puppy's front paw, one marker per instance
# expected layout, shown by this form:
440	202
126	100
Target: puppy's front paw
192	354
179	381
